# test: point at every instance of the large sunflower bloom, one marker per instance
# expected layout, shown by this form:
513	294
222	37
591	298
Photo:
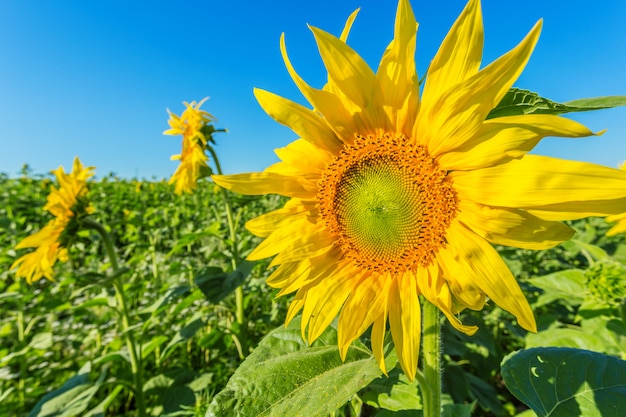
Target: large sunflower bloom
192	157
66	203
394	195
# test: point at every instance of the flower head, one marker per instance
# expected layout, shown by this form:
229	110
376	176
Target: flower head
68	204
192	158
394	195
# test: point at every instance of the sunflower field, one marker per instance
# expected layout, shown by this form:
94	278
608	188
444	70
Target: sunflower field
408	256
62	354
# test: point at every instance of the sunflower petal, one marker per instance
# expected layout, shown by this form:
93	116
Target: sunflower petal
325	300
544	183
405	316
326	103
265	224
300	229
365	304
457	115
260	183
397	75
459	55
506	138
378	339
304	122
350	74
483	266
513	227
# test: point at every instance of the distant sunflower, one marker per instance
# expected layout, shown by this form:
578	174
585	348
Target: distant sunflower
193	159
68	204
394	196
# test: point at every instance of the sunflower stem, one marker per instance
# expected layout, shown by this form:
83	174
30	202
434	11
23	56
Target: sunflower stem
239	314
431	390
131	344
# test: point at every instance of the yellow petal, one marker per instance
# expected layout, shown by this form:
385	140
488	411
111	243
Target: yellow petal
304	157
325	299
365	304
346	29
579	209
436	291
459	55
265	224
484	267
505	138
458	114
405	320
378	338
260	183
397	75
300	229
326	103
350	74
296	305
308	271
512	227
304	122
539	181
620	227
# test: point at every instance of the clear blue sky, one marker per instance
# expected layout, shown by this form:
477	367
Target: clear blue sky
94	78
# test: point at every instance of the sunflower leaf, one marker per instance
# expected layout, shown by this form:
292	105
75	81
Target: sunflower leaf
285	377
560	382
518	101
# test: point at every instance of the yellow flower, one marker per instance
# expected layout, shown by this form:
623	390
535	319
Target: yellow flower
396	196
192	157
67	203
620	218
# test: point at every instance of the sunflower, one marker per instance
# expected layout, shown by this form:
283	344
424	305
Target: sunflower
68	204
192	158
394	195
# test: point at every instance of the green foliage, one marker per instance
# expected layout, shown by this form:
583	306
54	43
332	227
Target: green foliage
567	382
285	377
190	340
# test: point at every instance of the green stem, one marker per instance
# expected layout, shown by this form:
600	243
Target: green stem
21	385
239	314
131	344
432	358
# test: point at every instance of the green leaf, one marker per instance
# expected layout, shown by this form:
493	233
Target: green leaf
394	392
217	285
285	377
518	101
72	398
573	337
195	323
567	286
565	382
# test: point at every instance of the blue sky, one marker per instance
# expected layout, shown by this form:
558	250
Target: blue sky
94	79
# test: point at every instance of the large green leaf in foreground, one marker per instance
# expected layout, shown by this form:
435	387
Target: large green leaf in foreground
285	377
566	382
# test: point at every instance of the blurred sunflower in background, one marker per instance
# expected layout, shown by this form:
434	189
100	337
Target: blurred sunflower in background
193	160
396	195
69	205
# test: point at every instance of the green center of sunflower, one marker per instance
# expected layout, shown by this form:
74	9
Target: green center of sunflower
388	202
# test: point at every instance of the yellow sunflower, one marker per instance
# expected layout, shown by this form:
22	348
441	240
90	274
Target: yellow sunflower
619	219
67	203
192	157
395	196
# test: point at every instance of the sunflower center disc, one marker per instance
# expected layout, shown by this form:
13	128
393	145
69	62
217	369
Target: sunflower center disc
388	202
